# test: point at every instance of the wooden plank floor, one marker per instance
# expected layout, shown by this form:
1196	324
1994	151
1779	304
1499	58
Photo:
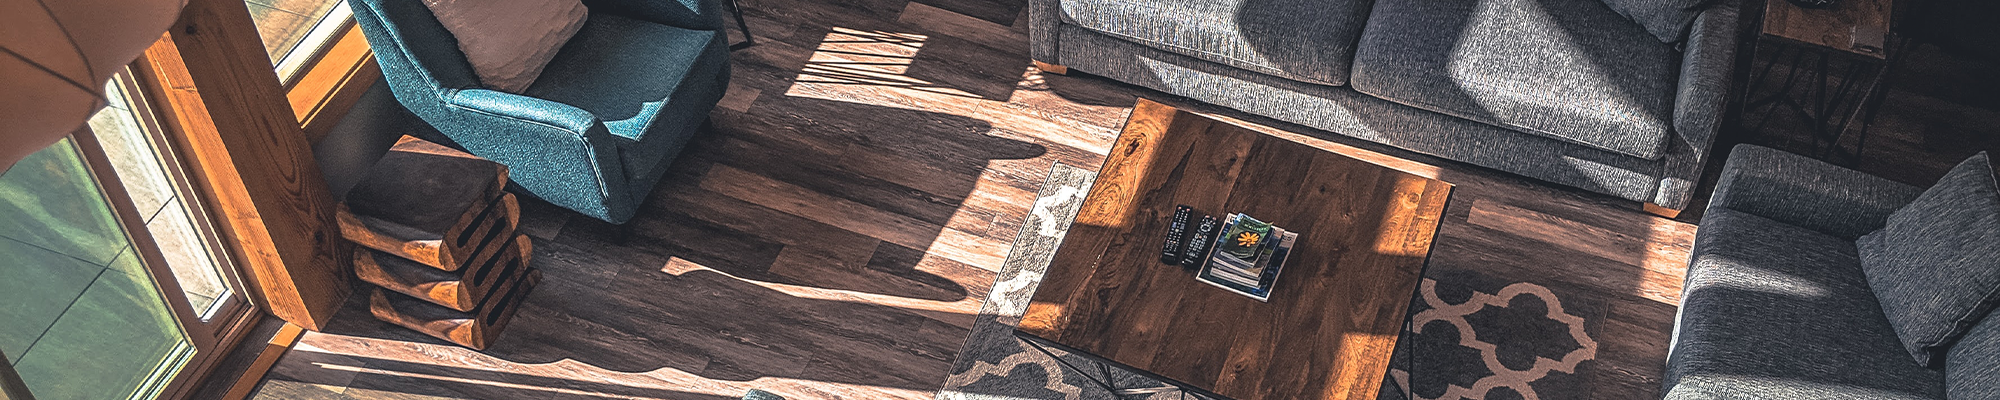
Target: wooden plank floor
871	162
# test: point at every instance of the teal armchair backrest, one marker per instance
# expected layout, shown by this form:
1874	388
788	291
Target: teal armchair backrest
426	61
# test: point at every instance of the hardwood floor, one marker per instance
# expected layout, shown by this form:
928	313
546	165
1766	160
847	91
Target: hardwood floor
872	160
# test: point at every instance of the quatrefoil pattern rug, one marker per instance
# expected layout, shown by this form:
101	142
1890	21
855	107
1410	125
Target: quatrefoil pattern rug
1474	337
1471	336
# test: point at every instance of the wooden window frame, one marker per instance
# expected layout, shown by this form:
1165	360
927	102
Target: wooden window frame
247	140
333	81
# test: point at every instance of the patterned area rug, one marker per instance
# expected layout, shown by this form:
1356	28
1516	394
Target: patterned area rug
1471	336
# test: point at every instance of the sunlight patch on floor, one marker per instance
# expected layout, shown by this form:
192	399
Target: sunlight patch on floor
625	385
873	59
957	312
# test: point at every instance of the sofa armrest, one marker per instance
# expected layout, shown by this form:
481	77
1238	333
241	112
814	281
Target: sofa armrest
560	153
1044	16
524	109
1807	193
686	14
1706	73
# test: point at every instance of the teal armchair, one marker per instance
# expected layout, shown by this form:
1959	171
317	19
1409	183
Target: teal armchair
603	121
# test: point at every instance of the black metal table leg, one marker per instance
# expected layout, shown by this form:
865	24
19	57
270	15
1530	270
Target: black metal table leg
1871	101
737	10
1826	111
1105	383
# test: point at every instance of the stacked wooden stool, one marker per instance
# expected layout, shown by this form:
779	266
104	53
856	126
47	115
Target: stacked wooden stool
437	239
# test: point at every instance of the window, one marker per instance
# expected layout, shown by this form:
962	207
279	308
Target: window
116	279
162	194
294	31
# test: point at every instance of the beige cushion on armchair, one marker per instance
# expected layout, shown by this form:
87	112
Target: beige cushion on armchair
509	41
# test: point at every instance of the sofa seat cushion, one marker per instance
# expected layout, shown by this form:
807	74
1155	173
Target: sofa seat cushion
1972	367
1306	40
1565	69
1934	264
1771	310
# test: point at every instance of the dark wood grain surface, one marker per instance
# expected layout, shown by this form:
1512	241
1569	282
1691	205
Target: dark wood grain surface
1832	27
430	204
1332	319
725	286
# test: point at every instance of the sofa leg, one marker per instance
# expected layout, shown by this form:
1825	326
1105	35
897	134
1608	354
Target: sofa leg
1052	68
1656	209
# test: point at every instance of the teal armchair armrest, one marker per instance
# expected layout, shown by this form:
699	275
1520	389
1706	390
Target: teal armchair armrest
526	109
561	153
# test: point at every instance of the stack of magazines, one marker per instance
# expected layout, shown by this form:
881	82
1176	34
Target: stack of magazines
1248	256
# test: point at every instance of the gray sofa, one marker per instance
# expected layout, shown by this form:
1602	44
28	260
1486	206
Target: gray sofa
1622	97
1810	281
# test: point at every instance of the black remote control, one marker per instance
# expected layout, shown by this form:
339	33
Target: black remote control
1170	253
1204	238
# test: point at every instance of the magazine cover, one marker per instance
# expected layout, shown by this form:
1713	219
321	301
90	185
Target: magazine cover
1247	257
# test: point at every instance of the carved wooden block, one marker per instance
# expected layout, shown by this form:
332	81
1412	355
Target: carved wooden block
447	249
424	202
460	290
476	329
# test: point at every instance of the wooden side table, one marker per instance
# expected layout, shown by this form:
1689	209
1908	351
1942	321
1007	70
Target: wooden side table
438	239
1817	43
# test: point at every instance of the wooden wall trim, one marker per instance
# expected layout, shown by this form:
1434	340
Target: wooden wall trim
228	113
333	82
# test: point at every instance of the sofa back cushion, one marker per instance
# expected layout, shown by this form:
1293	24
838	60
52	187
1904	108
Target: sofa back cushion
1935	266
1972	367
1522	65
1309	41
508	42
1667	20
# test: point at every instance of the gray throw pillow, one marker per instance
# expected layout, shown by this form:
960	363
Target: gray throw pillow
1935	266
1667	20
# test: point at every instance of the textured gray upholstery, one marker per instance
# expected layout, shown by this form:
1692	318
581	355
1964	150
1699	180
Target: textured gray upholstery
1688	106
1807	193
1935	266
1307	40
1567	69
1776	311
1972	367
1666	20
1344	111
1704	87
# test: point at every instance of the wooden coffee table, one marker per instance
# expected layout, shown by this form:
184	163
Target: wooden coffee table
1336	312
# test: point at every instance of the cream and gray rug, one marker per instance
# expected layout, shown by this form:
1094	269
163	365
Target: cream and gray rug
1471	336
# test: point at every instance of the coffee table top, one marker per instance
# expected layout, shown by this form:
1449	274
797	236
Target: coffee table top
1336	311
1833	28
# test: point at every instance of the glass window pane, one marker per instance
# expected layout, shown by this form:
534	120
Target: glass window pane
140	168
288	24
78	326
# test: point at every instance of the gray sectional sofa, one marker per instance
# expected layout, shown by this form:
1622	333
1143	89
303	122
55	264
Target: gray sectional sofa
1810	281
1622	97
